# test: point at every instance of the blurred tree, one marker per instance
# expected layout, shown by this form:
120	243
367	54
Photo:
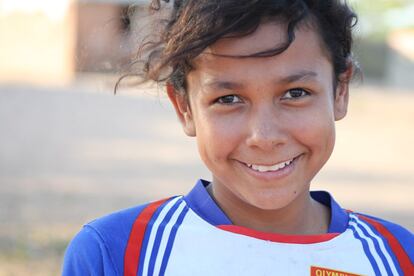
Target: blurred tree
379	17
379	5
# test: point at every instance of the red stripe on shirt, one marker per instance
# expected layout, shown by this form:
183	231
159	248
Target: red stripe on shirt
133	249
300	239
406	264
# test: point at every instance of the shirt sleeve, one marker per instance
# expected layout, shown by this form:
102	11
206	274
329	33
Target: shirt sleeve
87	254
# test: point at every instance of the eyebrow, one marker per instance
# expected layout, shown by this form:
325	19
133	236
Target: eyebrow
229	85
301	75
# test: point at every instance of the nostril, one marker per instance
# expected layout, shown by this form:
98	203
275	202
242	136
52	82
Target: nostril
267	140
276	144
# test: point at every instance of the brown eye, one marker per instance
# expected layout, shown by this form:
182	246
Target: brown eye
229	99
295	93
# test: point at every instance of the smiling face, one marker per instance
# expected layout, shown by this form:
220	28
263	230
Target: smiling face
264	126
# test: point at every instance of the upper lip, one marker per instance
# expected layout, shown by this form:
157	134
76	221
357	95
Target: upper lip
269	164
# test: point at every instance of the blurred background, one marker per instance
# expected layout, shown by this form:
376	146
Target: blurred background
71	151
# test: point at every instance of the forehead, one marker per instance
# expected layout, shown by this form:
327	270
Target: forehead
304	54
267	36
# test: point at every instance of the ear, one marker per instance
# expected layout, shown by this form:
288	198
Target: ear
342	94
182	109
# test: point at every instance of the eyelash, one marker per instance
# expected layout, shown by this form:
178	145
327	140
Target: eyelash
303	91
220	100
306	93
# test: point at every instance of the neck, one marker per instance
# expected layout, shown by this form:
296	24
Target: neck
304	216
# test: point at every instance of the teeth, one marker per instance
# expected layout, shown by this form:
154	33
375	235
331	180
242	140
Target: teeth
273	168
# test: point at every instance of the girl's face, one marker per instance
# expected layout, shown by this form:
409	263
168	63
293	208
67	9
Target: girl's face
264	126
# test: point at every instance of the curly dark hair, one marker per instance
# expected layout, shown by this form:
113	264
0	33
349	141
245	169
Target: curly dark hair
194	25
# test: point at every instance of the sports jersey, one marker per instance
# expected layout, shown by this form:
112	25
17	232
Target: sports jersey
191	235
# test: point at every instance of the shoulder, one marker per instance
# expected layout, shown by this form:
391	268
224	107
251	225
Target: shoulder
396	238
100	245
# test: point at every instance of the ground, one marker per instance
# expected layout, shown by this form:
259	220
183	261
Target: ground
71	154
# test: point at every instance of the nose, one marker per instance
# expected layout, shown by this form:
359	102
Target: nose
266	129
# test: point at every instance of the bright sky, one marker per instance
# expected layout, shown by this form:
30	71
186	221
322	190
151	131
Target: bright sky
54	9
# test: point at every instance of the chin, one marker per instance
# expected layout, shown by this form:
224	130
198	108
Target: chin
269	202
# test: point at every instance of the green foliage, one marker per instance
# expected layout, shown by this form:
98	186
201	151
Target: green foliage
379	17
378	6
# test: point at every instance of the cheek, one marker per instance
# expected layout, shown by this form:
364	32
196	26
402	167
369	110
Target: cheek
316	131
217	137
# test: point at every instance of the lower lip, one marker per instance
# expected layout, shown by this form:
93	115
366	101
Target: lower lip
272	175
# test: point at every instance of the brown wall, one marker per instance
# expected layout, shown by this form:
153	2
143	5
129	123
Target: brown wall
99	37
91	37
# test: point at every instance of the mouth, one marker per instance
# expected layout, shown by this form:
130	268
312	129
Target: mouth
271	168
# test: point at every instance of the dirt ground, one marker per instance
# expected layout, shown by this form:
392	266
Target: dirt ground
68	155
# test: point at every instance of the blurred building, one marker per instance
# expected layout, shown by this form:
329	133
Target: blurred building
50	41
108	33
400	69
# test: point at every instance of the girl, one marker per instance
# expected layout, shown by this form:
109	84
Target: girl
260	85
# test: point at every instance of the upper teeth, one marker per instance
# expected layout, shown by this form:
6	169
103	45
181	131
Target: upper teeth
273	168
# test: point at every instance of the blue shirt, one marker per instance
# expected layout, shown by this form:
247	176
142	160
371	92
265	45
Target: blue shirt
164	237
